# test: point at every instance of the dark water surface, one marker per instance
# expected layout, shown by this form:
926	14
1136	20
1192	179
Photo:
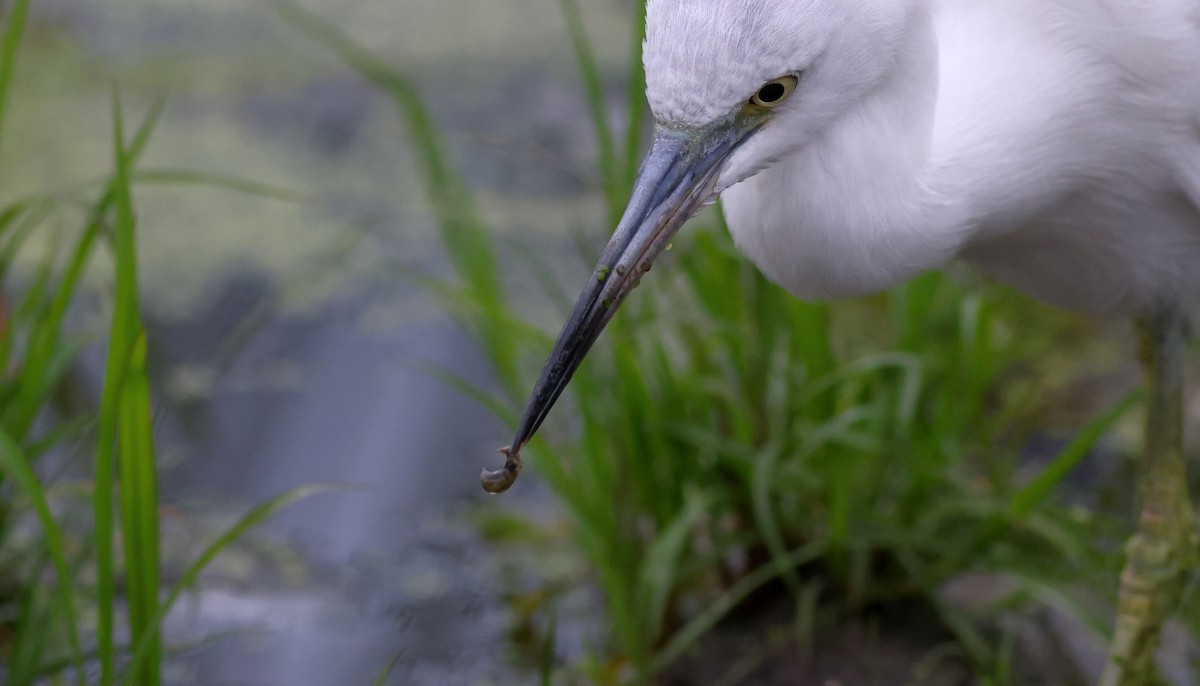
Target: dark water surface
380	572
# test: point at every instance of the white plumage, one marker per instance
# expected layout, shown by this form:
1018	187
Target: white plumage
1055	144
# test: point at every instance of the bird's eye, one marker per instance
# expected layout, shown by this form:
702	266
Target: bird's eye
774	92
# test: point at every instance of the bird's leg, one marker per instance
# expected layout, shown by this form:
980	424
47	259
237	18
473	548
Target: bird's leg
1165	548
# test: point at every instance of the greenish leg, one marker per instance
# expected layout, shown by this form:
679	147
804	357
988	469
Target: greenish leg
1165	548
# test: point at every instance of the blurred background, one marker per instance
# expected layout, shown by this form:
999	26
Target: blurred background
358	225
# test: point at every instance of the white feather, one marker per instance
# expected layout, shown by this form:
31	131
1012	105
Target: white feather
1053	143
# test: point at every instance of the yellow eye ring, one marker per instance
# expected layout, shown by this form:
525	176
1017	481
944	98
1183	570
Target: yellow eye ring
773	93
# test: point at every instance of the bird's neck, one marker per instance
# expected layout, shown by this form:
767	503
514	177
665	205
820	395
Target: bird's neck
855	211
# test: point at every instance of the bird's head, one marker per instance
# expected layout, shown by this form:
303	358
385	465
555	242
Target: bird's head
734	86
764	77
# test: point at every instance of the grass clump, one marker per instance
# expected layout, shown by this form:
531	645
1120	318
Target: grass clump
728	438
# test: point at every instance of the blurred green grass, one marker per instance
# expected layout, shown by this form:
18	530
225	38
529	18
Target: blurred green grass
100	619
869	448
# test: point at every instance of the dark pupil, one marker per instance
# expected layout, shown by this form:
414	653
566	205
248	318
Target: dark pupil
771	92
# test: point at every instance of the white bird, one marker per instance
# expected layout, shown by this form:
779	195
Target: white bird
1054	144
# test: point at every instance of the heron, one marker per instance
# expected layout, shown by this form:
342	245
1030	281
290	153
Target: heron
1053	144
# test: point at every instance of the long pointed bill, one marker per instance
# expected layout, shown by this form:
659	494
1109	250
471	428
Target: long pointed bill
677	177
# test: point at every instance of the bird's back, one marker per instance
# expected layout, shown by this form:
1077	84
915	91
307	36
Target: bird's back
1053	143
1072	127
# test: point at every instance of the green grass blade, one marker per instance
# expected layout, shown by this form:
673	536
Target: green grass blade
20	232
763	479
228	182
540	270
718	610
593	86
1036	491
31	639
636	101
13	31
661	562
33	304
384	672
13	212
15	464
457	382
464	237
37	376
139	508
256	516
63	432
546	675
124	330
141	137
36	379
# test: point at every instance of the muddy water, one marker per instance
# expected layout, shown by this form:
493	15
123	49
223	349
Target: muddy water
348	580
